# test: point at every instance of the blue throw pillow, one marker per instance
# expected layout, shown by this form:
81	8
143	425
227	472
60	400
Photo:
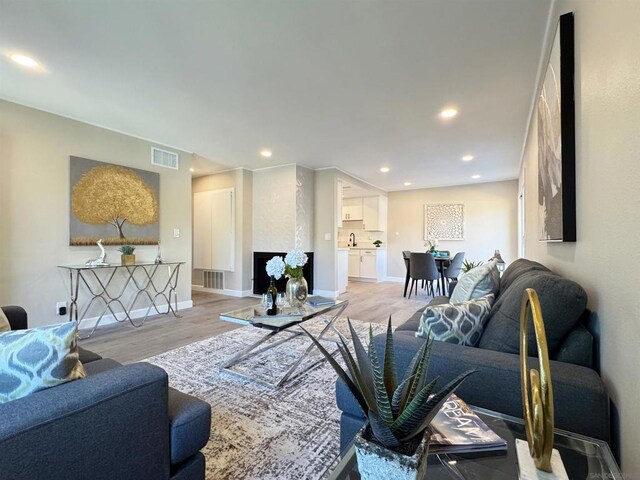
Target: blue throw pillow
38	358
461	323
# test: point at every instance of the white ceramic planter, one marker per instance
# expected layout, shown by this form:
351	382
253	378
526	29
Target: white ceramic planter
376	462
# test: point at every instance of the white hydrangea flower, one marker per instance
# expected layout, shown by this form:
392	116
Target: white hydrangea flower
295	258
275	267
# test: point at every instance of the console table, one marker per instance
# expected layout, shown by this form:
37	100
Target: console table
101	288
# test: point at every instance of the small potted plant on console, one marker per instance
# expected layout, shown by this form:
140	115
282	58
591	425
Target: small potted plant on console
377	243
127	257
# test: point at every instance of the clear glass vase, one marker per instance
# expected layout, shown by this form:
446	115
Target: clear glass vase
297	291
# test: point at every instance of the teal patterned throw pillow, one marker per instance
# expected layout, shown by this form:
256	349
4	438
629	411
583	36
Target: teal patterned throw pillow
461	323
38	358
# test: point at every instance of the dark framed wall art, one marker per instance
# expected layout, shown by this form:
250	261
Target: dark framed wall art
556	141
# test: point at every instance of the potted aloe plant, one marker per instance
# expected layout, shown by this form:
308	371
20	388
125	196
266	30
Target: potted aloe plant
393	443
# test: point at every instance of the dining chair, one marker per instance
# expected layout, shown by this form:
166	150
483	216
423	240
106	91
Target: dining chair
423	267
454	268
406	255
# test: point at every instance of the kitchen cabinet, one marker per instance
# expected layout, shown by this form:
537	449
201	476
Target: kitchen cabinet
352	208
368	264
374	214
354	263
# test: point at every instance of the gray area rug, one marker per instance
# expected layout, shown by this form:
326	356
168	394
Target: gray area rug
258	432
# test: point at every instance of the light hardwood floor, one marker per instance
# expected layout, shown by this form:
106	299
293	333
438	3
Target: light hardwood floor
369	302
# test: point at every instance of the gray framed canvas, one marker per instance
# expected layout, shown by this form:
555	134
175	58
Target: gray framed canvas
556	141
117	204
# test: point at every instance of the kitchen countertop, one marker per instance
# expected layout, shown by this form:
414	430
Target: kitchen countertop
372	247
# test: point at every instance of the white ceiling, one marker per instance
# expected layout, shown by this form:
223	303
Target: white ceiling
349	83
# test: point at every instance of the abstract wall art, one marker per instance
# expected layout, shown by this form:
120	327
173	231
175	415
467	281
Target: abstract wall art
117	204
444	221
556	141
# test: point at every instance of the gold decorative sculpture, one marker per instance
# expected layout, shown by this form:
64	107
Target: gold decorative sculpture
538	413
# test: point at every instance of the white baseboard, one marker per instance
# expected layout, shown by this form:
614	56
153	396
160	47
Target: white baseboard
88	323
230	293
395	279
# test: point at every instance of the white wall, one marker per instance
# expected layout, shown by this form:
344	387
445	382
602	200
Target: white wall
304	208
274	212
34	205
605	258
490	222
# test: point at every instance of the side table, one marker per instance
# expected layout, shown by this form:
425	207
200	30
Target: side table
584	458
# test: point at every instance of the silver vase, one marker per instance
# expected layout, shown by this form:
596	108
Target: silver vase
297	291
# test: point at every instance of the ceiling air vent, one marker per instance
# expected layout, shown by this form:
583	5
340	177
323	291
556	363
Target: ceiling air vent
162	158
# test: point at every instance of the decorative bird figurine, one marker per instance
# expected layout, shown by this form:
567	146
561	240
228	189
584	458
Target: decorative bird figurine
101	260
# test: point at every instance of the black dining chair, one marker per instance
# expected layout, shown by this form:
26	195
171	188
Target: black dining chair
406	255
454	268
423	267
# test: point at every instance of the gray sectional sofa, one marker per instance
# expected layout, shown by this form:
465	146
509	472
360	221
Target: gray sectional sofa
119	422
580	398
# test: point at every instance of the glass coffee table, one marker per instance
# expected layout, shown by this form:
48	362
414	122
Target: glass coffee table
584	458
285	325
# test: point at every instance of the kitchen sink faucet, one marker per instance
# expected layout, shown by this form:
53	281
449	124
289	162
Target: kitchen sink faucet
352	239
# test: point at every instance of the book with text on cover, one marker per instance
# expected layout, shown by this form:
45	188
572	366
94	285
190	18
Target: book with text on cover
457	429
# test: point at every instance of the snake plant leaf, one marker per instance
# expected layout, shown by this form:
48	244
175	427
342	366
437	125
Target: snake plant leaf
382	399
382	432
356	376
425	363
411	410
363	359
422	358
341	373
419	413
398	395
389	375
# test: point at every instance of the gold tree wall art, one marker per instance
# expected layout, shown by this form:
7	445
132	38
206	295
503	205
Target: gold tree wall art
115	203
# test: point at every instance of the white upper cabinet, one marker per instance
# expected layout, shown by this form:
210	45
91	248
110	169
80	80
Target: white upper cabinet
352	208
374	214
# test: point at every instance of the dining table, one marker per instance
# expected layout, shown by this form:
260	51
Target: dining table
441	262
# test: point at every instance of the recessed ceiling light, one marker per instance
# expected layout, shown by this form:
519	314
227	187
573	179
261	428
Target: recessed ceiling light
467	158
265	153
24	60
192	169
448	113
406	184
475	177
384	169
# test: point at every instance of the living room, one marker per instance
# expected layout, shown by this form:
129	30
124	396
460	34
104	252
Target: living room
75	106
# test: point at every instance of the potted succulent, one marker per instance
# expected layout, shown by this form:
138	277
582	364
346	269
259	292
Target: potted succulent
127	257
467	265
377	243
393	443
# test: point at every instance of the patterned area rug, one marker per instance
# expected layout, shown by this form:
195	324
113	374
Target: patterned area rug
257	432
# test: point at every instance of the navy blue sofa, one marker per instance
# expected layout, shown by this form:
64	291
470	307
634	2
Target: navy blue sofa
580	397
120	422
